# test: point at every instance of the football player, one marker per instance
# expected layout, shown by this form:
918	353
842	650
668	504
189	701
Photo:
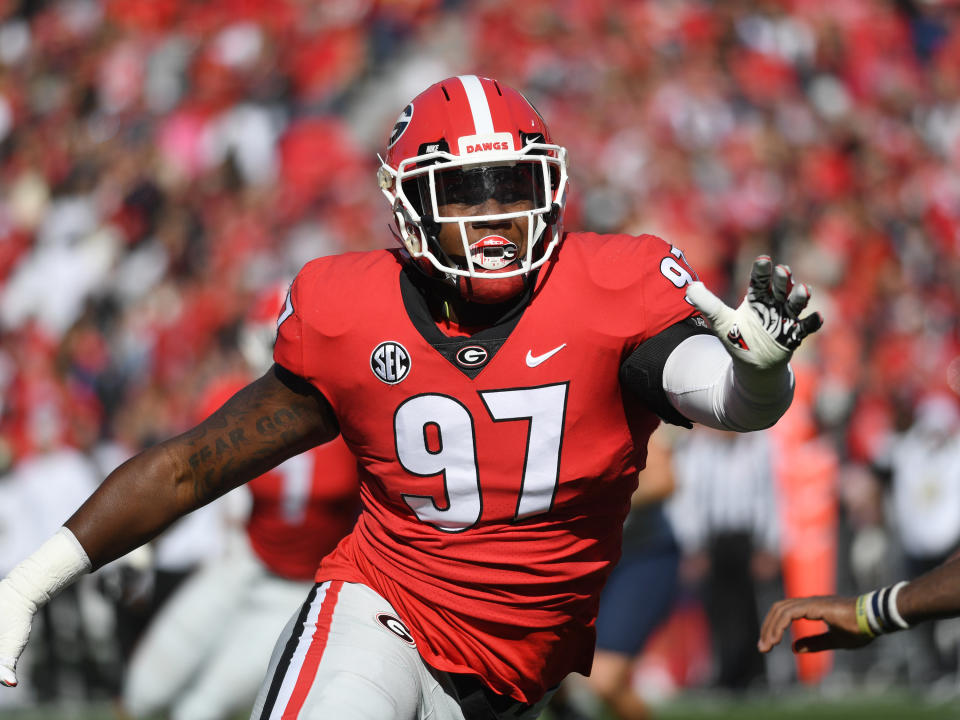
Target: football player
497	379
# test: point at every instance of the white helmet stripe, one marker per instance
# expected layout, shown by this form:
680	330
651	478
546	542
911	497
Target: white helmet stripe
482	120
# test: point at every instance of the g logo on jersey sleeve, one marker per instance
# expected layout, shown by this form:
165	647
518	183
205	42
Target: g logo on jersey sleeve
390	362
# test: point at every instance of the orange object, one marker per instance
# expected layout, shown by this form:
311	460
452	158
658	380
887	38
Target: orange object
806	472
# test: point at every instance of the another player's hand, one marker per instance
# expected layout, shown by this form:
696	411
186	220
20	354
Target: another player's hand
16	617
766	328
840	614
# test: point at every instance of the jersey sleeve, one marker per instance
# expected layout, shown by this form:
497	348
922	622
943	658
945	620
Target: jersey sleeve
665	285
669	320
315	320
288	350
631	286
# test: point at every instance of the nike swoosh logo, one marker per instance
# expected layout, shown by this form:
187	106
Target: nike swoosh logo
534	360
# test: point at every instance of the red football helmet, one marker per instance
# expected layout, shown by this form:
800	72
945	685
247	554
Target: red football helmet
461	141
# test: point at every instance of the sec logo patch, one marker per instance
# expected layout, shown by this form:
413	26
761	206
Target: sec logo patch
390	362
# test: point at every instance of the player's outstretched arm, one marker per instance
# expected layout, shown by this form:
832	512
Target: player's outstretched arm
270	420
853	622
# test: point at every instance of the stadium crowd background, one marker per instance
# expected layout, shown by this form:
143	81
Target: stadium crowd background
163	162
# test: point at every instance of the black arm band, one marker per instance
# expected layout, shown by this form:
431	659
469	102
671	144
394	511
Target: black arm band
301	386
295	383
642	372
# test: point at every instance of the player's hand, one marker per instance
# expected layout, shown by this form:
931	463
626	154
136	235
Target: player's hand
16	617
840	614
766	328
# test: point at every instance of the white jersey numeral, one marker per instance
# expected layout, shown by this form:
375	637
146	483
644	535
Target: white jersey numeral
455	454
543	408
456	459
673	270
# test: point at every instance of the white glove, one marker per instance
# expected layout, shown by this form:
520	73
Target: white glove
766	328
16	617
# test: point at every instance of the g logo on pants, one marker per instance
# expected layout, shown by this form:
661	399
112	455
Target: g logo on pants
394	625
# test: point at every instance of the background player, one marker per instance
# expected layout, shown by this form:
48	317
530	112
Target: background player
501	399
205	653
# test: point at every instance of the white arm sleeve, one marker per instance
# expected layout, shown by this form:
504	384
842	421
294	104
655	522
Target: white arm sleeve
702	381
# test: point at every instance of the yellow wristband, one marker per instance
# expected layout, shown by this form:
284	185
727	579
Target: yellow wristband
862	621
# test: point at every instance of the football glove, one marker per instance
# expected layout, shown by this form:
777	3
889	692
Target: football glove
766	328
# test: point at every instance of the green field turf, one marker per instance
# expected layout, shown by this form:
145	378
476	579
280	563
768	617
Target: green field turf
894	706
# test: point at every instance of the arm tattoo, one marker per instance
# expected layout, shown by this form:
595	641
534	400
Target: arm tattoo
261	426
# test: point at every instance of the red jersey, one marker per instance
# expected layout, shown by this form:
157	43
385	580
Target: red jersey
496	469
303	507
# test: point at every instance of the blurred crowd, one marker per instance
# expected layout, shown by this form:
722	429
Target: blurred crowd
163	162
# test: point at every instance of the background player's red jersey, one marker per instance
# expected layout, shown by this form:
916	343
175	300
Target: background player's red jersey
301	508
496	469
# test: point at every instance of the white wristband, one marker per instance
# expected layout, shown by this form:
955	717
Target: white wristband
54	565
892	608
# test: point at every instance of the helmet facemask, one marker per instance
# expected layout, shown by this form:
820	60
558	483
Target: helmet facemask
426	191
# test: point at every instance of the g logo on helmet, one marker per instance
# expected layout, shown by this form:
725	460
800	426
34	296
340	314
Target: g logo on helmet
390	362
402	122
